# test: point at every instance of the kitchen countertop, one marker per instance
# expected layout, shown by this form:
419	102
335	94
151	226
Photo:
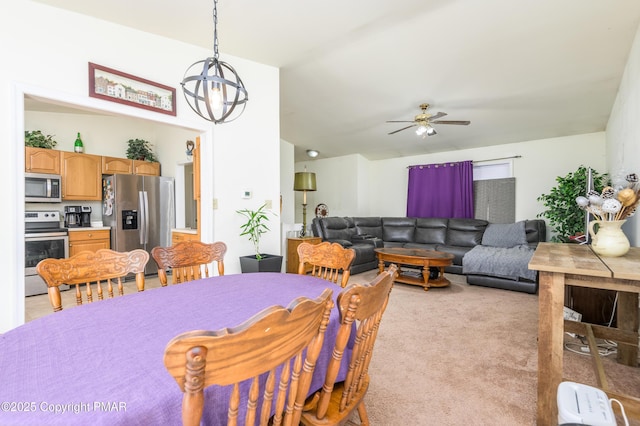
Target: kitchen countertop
90	228
185	230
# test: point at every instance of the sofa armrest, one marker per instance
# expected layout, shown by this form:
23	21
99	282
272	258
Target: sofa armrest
361	237
343	243
367	239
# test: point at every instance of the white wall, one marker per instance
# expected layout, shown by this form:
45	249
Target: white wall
623	130
48	50
353	186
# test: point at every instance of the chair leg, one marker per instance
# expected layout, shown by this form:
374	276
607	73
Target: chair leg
362	412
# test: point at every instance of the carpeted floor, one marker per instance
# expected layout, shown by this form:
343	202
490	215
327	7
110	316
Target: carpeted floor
465	355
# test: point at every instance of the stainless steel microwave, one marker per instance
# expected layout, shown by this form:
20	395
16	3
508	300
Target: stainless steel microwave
42	188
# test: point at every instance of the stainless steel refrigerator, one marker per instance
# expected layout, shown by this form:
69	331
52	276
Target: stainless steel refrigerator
140	211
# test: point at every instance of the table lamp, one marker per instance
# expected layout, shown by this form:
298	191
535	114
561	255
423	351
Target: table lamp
304	181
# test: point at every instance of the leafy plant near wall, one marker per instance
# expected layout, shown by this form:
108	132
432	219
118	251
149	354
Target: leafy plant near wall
140	149
255	226
563	213
37	139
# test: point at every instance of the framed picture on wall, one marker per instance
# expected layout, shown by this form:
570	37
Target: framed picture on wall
117	86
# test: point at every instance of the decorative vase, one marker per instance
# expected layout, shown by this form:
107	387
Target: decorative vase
609	241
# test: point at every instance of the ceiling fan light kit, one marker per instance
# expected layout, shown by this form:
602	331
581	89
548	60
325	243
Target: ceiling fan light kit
425	122
212	88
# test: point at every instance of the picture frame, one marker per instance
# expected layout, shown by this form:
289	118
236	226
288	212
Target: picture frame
117	86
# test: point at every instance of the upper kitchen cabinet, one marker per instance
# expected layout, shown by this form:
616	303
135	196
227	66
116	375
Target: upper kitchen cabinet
41	160
114	165
81	176
141	167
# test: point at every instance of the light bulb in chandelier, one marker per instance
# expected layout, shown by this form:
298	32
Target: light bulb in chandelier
215	98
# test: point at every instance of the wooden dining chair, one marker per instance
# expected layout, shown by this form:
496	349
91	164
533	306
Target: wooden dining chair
326	260
92	268
285	339
189	260
364	305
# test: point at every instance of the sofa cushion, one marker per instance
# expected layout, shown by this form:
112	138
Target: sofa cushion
465	232
336	228
369	226
504	235
398	229
431	230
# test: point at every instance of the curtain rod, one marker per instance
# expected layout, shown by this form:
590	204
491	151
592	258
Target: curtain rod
478	161
495	159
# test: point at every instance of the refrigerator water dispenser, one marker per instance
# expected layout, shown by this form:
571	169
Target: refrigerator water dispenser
129	219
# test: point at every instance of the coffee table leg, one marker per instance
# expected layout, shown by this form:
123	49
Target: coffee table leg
425	276
380	266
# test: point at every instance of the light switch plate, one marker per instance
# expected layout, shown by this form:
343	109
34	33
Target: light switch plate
268	204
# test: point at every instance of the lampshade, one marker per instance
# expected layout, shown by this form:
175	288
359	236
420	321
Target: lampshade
304	181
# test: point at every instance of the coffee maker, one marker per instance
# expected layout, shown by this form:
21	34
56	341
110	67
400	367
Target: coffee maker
72	216
85	217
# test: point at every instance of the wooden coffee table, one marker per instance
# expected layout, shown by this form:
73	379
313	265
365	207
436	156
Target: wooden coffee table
416	257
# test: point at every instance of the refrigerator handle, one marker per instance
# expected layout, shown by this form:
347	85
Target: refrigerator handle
143	214
146	218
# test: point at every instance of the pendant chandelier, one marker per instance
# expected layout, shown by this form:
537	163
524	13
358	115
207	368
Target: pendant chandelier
213	88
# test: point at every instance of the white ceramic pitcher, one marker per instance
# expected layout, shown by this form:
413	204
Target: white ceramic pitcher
609	241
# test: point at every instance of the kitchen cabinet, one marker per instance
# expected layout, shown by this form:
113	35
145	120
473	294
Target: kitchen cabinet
292	252
90	239
41	160
178	237
141	167
81	176
114	165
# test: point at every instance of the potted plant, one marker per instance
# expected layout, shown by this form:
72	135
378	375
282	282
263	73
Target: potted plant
253	228
140	149
37	139
563	214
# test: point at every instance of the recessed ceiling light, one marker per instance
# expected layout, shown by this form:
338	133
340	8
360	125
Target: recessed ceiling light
312	153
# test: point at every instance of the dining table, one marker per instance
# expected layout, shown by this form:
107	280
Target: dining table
102	363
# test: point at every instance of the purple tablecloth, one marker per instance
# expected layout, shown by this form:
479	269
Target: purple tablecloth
102	363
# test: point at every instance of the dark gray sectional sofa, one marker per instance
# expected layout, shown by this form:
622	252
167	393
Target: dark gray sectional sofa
456	236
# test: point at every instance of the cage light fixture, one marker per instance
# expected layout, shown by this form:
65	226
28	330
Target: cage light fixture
213	89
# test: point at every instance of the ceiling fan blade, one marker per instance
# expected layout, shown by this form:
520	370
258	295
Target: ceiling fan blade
399	130
400	121
437	115
463	123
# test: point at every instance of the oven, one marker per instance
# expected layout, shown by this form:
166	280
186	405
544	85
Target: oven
43	238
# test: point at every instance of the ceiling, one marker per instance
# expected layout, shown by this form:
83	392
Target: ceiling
517	70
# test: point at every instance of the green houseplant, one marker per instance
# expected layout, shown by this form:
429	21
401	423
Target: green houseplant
37	139
140	149
562	212
254	227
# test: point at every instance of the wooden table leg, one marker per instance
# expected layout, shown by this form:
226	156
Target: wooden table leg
550	338
380	266
426	272
627	319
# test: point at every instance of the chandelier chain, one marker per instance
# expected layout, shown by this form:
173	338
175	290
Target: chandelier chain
215	29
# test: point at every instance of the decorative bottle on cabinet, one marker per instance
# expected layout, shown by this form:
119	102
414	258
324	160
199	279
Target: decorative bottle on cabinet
78	146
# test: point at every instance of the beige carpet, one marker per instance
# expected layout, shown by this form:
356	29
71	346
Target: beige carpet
465	355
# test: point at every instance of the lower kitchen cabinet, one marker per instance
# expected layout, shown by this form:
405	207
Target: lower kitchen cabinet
178	237
90	239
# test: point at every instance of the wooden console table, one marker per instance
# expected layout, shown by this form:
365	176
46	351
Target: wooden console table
563	265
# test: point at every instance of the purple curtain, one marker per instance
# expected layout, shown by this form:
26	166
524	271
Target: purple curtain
441	190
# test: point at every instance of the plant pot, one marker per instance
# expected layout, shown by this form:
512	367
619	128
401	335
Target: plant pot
268	263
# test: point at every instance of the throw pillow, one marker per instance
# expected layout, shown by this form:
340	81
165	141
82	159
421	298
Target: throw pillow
504	235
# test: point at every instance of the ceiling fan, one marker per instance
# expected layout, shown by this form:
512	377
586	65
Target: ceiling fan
425	120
